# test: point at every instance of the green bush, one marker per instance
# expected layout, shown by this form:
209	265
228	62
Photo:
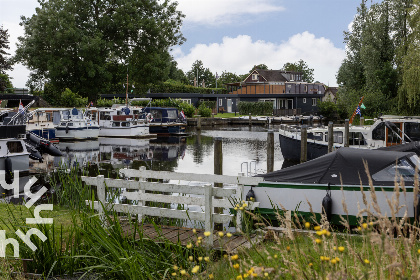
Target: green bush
208	104
255	108
72	99
109	102
204	111
189	109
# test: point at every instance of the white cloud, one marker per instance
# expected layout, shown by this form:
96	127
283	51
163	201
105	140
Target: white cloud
238	55
217	12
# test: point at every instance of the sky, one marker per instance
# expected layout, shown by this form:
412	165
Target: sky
235	35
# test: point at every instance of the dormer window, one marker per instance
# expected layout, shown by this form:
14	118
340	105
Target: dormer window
255	77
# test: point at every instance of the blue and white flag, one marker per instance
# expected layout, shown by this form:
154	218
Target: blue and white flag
20	107
358	111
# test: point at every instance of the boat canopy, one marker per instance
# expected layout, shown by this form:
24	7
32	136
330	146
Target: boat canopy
346	166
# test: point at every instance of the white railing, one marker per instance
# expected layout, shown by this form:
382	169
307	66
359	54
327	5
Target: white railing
209	196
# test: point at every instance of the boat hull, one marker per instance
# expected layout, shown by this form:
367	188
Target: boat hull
290	149
304	197
132	131
77	133
166	128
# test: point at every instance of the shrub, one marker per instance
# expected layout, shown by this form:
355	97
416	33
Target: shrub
255	108
204	111
72	99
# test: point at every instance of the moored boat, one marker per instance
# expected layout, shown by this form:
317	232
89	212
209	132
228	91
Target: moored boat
72	124
386	131
341	176
165	121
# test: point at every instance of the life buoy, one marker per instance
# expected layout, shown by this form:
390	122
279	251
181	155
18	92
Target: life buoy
9	170
327	205
149	117
417	208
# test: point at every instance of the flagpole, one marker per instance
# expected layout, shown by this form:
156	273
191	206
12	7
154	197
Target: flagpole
354	113
126	93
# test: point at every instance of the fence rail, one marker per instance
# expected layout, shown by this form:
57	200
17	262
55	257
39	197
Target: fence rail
209	196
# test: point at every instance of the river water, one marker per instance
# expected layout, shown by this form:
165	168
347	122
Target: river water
244	149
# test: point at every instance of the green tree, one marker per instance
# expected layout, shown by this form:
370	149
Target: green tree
5	83
177	74
300	66
227	77
5	63
203	74
82	45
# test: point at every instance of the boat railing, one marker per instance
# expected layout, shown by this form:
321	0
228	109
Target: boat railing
248	165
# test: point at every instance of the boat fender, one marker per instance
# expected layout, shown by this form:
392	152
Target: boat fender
67	150
250	196
67	129
327	204
417	209
9	170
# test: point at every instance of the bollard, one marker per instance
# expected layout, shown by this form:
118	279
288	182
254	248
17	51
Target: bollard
250	119
270	151
198	122
212	119
218	170
303	144
346	133
362	121
330	137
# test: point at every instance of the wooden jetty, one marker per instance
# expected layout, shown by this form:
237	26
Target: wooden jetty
139	191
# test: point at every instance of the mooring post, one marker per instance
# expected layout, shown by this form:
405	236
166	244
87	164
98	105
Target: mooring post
250	119
208	212
212	119
218	170
270	151
303	144
346	133
330	137
362	121
198	122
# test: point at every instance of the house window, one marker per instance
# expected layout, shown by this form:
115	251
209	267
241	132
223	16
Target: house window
313	101
220	102
254	77
188	101
304	100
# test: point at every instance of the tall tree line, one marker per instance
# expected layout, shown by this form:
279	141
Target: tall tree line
382	59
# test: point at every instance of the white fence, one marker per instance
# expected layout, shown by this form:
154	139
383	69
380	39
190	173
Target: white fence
209	196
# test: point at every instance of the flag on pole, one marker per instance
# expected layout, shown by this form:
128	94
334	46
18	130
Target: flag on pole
20	107
182	114
363	106
217	76
358	111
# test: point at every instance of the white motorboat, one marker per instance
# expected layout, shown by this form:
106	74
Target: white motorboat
72	124
118	121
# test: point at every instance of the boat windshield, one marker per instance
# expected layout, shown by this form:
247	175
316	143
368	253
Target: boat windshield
412	130
172	115
393	172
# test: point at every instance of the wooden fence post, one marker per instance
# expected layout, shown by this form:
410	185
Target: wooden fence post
141	202
208	209
100	188
330	136
270	151
303	144
239	194
346	133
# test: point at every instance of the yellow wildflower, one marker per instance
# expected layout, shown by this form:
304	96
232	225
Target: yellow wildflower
173	274
318	241
194	231
266	274
319	232
241	208
236	266
367	261
335	248
221	234
211	276
307	225
207	233
288	248
189	245
239	277
322	258
244	205
251	198
200	237
418	251
207	259
341	249
191	258
183	272
175	267
234	257
246	275
229	234
236	208
364	225
275	256
225	256
195	269
333	261
310	264
200	259
337	259
317	228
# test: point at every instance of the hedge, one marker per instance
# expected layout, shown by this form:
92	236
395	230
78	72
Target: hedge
255	108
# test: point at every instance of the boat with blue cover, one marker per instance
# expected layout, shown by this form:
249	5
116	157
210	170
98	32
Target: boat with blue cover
165	121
